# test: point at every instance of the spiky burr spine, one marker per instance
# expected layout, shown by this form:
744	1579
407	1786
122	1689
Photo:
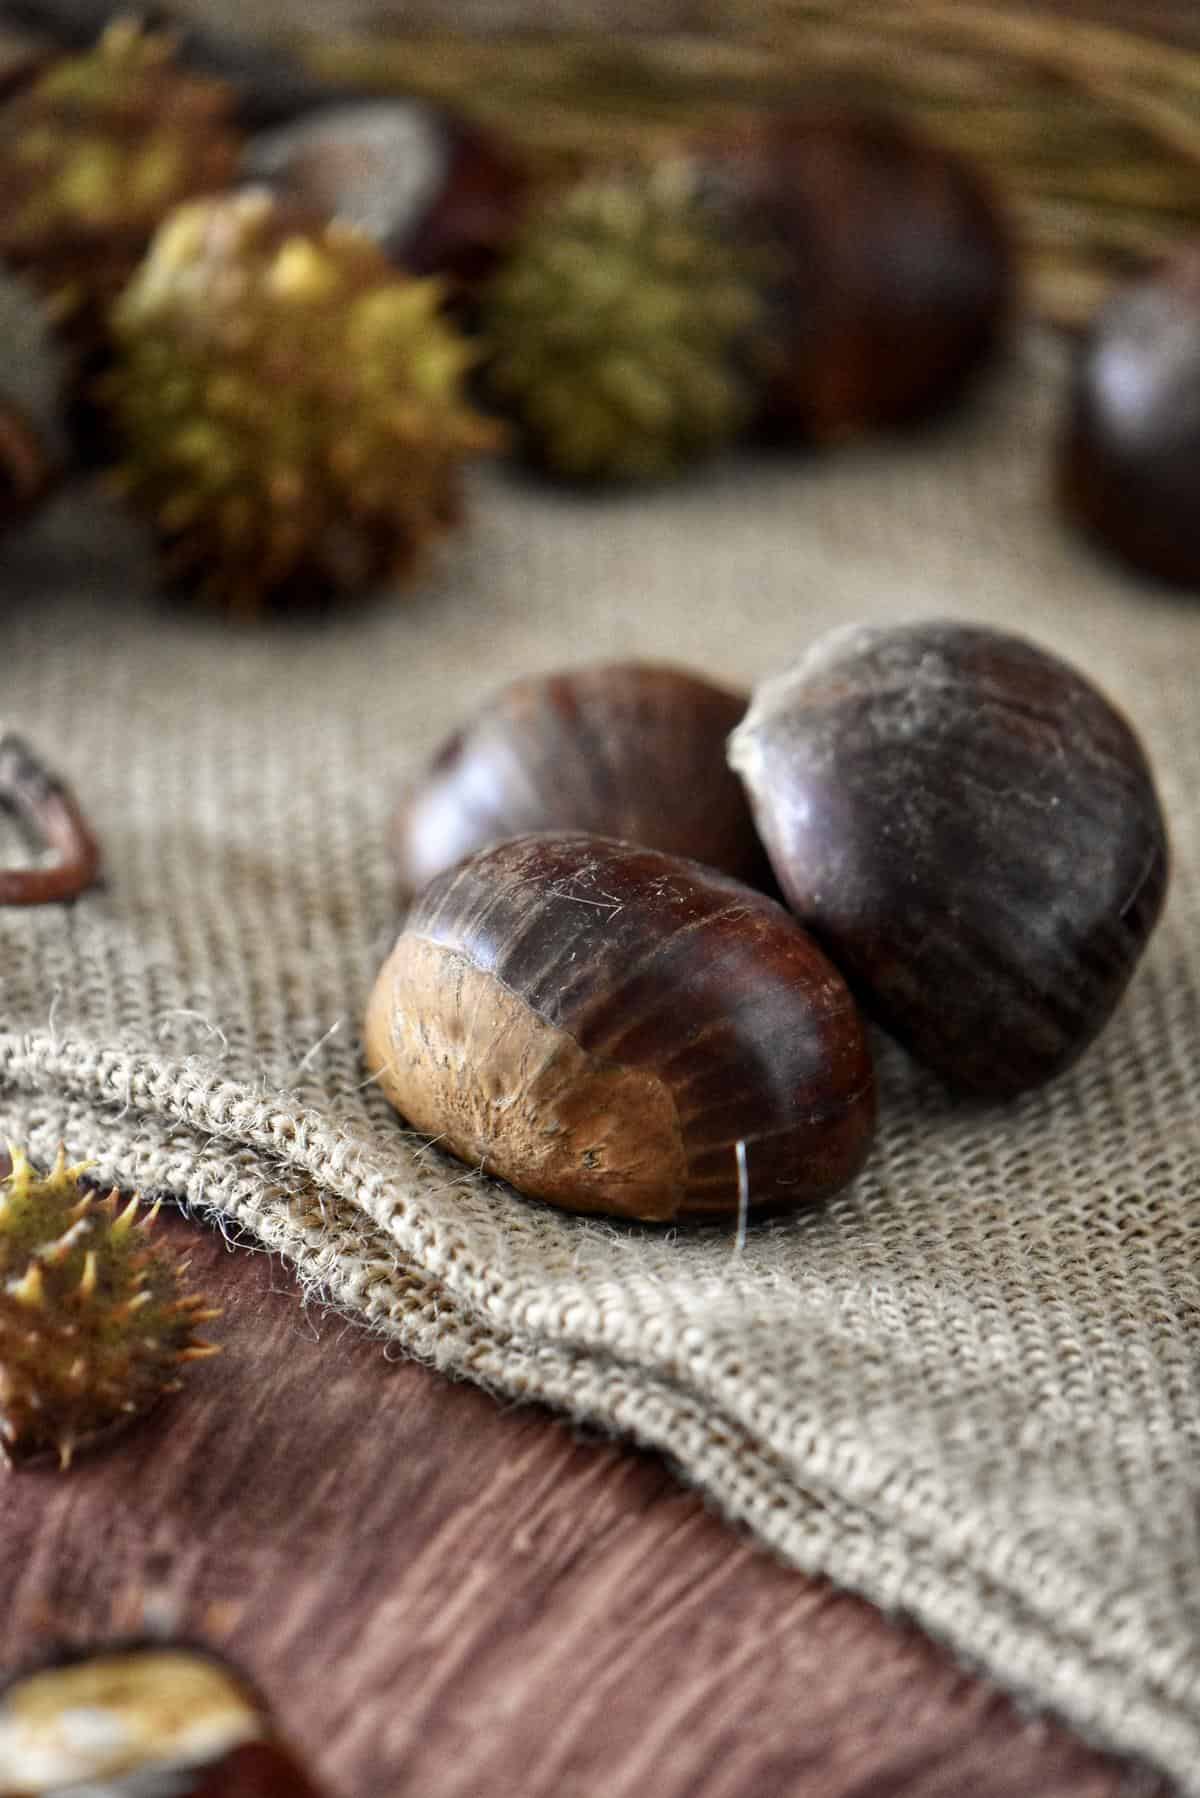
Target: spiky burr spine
290	407
615	329
94	1324
93	155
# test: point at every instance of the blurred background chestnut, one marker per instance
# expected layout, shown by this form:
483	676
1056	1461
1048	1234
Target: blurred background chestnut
891	270
439	194
1129	457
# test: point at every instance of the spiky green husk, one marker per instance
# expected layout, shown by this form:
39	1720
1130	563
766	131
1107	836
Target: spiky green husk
614	329
290	407
94	1324
93	155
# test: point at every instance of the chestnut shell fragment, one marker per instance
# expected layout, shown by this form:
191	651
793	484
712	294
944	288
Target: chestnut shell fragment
971	830
627	749
602	1024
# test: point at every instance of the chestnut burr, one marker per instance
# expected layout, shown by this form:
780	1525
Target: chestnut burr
603	1025
632	750
972	831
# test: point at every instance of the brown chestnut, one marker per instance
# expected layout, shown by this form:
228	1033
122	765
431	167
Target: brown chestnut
603	1025
1129	458
973	833
439	194
628	749
893	268
142	1717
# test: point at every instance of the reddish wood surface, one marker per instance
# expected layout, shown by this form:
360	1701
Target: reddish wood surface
449	1598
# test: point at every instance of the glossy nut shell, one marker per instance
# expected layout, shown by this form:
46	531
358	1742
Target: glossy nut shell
632	750
131	1720
602	1024
971	830
1128	469
893	270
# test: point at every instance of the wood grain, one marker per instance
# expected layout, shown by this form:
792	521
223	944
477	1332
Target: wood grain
451	1599
447	1598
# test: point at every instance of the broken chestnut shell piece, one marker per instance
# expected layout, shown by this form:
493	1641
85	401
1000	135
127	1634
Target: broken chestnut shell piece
48	807
138	1717
626	749
1129	459
603	1025
972	832
893	268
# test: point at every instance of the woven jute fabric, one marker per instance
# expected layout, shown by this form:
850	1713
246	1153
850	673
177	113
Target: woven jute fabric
967	1387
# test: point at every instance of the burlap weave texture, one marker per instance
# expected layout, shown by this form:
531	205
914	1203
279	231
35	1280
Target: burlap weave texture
967	1388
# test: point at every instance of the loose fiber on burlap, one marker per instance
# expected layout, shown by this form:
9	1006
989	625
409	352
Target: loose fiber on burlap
967	1388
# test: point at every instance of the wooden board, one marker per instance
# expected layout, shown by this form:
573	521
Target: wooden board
451	1599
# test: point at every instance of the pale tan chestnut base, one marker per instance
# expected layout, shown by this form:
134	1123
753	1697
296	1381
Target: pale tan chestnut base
467	1061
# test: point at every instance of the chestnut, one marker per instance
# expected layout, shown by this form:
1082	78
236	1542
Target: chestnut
626	749
1128	464
139	1718
439	194
603	1025
892	268
970	829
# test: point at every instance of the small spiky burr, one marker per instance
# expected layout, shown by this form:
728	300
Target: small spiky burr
615	330
289	407
93	155
94	1323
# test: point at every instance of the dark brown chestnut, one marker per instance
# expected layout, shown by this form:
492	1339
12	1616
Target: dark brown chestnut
603	1025
973	833
141	1718
893	269
1129	457
626	749
439	194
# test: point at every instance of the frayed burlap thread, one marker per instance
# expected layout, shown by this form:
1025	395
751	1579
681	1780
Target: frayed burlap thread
966	1388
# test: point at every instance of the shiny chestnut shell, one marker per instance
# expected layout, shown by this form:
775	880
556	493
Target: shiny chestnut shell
141	1718
1129	458
602	1024
973	833
632	750
892	268
439	194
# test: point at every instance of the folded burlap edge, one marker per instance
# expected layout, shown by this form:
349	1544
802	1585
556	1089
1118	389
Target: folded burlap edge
254	1157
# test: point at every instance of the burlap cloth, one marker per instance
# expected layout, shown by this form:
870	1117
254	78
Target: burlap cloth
966	1388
